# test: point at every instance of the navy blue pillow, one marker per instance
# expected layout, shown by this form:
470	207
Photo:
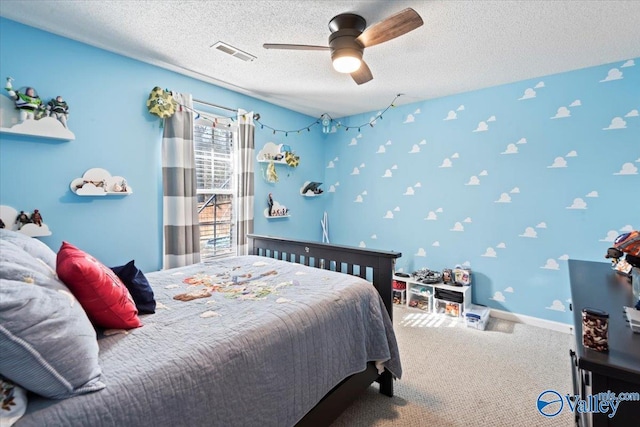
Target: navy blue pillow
138	286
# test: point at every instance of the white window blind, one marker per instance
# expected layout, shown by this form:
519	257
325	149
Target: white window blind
214	154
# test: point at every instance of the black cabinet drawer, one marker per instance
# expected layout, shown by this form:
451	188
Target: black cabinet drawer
447	295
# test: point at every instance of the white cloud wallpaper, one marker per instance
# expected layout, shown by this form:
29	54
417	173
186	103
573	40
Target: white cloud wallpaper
513	180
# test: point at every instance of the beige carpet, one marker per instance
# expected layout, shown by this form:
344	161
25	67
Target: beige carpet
457	376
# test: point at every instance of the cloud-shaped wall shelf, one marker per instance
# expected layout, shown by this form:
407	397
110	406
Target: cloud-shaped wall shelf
99	182
311	189
271	152
277	211
46	127
9	215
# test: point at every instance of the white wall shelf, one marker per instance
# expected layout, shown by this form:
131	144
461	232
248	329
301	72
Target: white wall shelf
277	210
9	215
277	162
266	214
46	127
310	193
270	152
99	182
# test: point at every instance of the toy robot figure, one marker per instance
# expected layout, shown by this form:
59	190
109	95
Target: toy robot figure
36	218
58	109
22	219
28	102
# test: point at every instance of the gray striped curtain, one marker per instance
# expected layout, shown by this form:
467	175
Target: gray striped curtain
244	176
180	205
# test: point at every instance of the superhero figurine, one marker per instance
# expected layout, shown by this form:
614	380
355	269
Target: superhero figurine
28	102
59	109
22	219
36	218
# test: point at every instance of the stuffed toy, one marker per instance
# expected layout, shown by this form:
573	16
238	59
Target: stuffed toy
161	103
291	159
272	175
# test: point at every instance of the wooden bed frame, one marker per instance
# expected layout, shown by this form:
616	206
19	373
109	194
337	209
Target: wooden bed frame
373	265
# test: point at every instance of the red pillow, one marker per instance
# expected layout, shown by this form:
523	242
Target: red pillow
101	293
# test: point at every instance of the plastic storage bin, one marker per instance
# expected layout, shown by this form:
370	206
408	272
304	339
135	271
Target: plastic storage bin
399	296
450	308
477	317
419	297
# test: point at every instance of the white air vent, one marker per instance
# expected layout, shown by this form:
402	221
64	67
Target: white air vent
230	50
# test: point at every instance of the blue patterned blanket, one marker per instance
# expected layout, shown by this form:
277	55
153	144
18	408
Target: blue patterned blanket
242	341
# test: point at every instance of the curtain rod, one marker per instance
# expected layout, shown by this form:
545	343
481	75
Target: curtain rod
214	105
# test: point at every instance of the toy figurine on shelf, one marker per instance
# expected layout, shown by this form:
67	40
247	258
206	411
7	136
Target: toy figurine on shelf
58	109
272	175
26	100
120	187
625	244
22	219
36	218
270	203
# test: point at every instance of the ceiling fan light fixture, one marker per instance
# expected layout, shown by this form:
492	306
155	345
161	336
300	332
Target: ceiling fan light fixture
346	64
350	36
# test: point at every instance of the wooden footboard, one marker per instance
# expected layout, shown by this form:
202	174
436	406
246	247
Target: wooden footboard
373	265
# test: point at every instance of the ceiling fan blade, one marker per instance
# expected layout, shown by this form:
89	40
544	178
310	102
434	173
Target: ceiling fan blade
294	46
362	74
391	27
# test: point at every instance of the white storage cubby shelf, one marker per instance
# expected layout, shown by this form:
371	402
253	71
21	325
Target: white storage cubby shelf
433	297
99	182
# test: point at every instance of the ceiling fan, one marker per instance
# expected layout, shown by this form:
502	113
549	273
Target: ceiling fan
350	35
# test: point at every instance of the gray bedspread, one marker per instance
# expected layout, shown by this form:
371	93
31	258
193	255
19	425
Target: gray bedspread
262	349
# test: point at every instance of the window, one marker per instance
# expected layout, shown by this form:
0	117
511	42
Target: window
214	155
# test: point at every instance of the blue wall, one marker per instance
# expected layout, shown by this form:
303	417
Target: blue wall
511	180
494	199
106	94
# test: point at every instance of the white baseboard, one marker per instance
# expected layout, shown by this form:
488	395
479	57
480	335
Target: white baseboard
534	321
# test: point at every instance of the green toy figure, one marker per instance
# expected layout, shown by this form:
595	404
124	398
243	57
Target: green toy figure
28	102
58	109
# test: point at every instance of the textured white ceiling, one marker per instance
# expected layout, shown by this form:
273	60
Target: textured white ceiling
462	46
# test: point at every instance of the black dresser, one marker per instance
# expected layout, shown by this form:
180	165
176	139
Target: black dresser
596	285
